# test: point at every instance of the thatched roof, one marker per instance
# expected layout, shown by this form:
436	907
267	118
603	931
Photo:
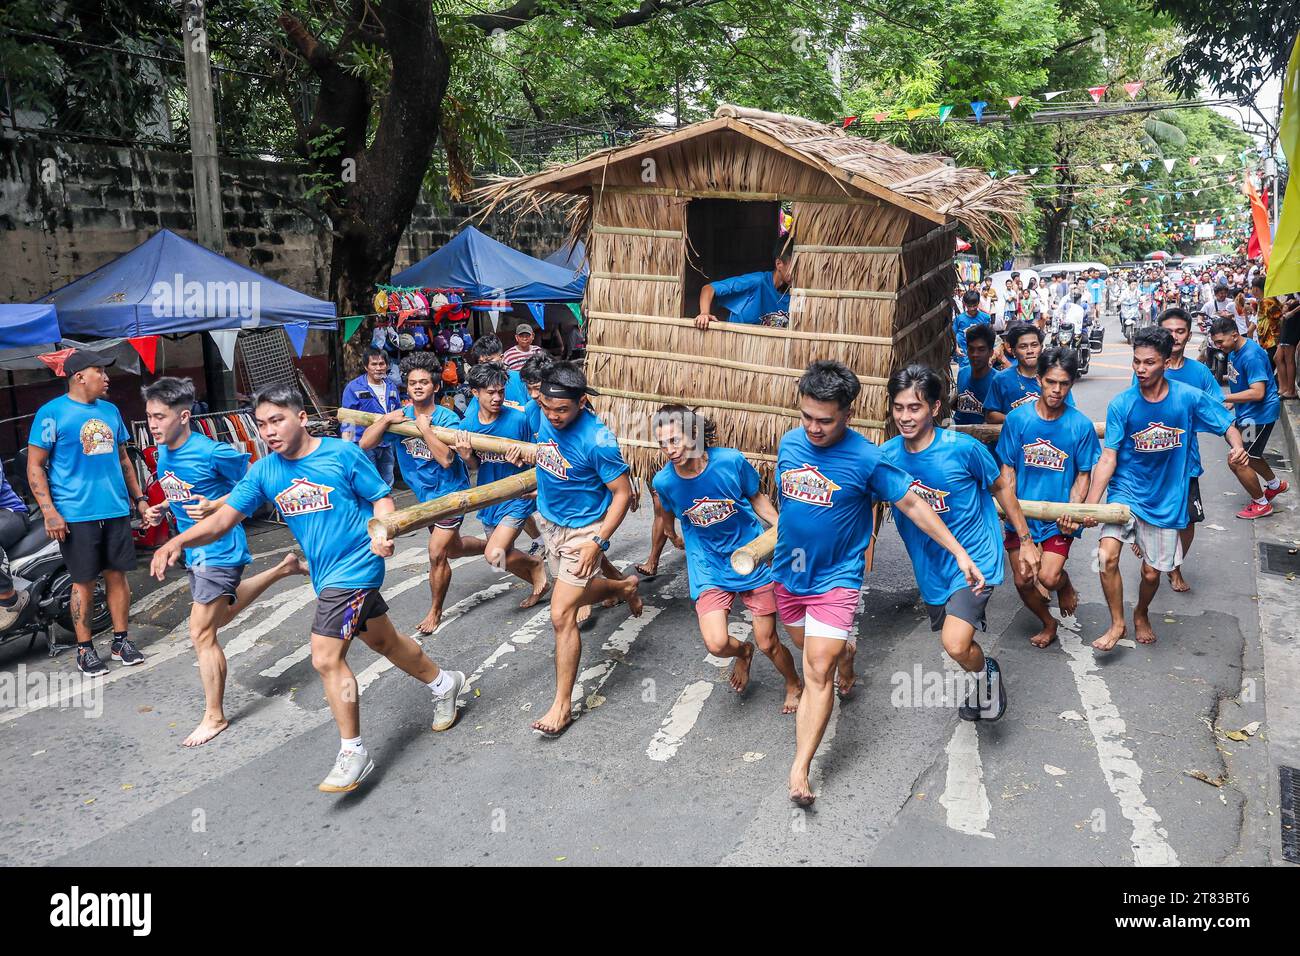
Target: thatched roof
925	185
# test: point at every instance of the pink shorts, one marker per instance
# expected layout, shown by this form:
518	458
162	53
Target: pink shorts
820	615
760	601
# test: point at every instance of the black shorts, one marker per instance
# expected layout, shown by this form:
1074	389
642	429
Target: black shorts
1291	330
1195	509
93	547
1256	438
964	605
343	612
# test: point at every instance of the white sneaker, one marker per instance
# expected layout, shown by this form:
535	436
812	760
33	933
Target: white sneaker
350	768
444	707
8	615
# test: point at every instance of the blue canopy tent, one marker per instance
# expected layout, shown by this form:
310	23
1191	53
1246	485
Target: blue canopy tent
487	269
24	325
168	285
573	258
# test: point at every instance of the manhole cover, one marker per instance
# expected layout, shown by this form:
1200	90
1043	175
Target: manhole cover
1278	558
1289	780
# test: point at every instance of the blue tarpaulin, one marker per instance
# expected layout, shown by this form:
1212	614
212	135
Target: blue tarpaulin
487	269
572	258
169	285
22	324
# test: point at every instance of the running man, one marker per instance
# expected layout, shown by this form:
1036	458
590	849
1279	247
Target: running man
501	522
714	491
1252	394
196	473
829	479
975	378
970	315
583	494
430	469
85	484
1017	385
1144	464
1048	451
327	490
957	478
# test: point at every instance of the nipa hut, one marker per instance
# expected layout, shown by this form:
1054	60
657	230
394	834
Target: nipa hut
874	237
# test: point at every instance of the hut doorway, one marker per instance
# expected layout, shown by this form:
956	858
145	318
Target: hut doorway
725	238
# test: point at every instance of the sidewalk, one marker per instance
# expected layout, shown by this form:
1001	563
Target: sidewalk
1277	558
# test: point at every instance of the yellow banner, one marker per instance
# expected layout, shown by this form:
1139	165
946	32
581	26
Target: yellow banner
1284	270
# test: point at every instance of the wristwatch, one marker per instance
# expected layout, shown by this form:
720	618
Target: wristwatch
603	542
140	498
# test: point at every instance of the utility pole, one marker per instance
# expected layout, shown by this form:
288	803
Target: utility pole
207	178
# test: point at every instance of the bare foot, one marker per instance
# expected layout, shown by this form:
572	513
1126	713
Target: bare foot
739	676
677	542
610	602
800	790
584	615
1045	636
634	603
430	622
792	694
1142	630
1068	600
1108	640
844	676
540	586
292	563
554	721
205	731
1177	581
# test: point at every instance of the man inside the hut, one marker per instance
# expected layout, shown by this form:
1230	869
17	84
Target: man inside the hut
755	298
829	478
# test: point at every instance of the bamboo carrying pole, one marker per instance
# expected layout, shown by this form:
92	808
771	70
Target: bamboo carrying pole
748	556
488	443
989	434
426	513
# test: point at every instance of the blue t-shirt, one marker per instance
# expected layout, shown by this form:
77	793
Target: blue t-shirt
1047	457
953	476
1152	441
573	466
533	413
1010	390
826	500
326	499
960	324
716	518
1246	366
1096	290
516	396
494	467
85	470
420	469
1195	374
750	297
971	394
203	468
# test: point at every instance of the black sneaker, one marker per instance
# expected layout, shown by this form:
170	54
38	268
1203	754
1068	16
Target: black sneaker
125	653
88	662
994	703
970	708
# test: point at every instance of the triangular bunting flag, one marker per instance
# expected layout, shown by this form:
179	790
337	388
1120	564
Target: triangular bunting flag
225	339
350	325
1220	157
1123	167
55	360
978	107
1014	101
880	117
1108	167
1145	164
943	113
539	313
147	346
1193	160
1034	171
1132	89
1048	96
1144	200
1169	164
915	112
848	120
297	332
1097	92
577	312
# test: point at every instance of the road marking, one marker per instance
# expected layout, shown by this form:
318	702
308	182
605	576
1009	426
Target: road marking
157	595
620	642
680	721
1123	775
524	635
964	796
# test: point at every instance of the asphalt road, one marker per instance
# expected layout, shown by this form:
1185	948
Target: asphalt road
666	765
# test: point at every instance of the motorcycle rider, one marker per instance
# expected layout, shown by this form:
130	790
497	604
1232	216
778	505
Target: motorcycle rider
12	528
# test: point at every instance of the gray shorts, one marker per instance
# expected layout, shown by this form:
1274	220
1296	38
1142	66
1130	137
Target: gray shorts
1161	548
509	521
343	612
965	605
208	584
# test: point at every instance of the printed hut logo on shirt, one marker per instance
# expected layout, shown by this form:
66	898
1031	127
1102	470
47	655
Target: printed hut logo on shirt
707	511
417	449
969	402
303	497
550	459
1043	454
492	457
936	499
96	438
1232	374
1157	437
175	489
1031	397
808	485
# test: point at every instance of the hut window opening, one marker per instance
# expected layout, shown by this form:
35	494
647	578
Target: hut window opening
725	239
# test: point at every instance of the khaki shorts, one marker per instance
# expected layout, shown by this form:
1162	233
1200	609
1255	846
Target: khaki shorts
563	550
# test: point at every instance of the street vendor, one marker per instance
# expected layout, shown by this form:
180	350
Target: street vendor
751	296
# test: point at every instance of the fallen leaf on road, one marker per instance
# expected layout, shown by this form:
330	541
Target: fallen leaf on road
1216	527
1170	620
1251	728
1200	775
144	709
1070	715
594	701
1235	735
38	753
128	786
477	692
1054	771
560	859
87	803
752	756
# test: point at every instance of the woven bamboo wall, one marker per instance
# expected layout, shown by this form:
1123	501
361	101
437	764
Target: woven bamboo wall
642	353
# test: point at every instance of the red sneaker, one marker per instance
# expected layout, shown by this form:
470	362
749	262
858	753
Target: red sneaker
1254	510
1271	493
